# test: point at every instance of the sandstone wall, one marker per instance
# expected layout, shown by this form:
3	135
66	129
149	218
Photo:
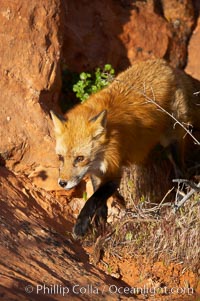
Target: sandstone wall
120	32
30	46
36	251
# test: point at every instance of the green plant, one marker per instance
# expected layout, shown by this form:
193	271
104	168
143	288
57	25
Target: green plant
109	269
129	236
85	196
92	83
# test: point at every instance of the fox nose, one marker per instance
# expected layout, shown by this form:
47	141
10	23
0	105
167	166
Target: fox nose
62	183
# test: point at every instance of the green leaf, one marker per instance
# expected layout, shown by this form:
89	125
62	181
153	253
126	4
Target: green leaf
107	67
84	76
129	236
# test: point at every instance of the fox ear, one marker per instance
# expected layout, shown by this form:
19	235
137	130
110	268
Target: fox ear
100	118
58	123
99	121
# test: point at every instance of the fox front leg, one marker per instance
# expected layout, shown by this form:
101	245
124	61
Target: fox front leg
95	202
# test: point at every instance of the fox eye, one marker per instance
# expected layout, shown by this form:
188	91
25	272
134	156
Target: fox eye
60	158
79	159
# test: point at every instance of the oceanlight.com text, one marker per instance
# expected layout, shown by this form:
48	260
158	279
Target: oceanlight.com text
90	289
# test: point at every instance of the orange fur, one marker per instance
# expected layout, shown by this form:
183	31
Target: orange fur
129	125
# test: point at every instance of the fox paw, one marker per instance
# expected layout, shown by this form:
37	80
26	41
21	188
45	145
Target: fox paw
81	227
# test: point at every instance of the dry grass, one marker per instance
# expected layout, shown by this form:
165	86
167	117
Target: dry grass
153	229
150	227
159	234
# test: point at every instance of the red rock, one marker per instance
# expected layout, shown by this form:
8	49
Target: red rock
37	248
120	32
29	63
193	65
181	18
141	37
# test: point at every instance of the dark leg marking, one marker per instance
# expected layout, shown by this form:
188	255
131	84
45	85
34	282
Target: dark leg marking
174	156
96	201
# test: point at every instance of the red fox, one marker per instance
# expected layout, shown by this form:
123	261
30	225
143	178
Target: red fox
120	125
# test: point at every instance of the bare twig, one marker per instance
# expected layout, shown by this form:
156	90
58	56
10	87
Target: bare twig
164	198
171	115
189	183
196	93
153	101
195	188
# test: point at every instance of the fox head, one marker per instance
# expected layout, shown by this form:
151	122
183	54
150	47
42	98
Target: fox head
80	145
